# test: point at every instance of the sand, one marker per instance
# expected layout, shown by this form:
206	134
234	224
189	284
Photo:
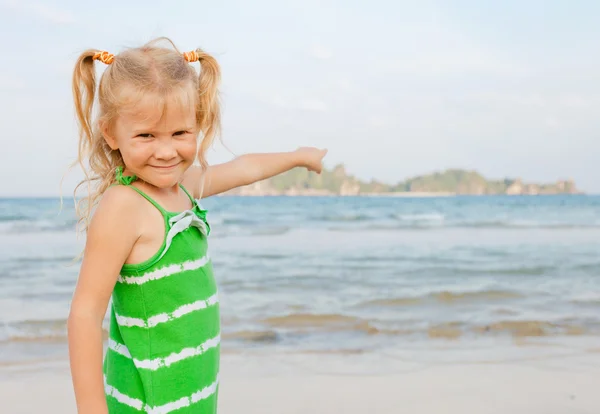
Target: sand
355	384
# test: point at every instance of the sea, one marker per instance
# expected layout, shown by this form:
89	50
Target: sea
427	278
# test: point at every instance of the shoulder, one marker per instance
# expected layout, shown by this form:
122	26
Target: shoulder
120	201
117	210
120	196
193	180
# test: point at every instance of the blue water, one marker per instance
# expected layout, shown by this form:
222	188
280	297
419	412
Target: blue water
344	274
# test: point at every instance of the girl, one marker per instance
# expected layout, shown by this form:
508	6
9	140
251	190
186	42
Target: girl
146	244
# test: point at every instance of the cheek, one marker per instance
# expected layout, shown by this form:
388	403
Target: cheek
135	153
187	149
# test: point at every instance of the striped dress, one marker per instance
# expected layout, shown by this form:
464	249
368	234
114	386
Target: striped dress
164	341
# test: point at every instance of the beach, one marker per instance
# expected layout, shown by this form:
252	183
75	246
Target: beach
294	384
350	304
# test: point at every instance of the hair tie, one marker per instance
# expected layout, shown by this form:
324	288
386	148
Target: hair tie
192	56
104	57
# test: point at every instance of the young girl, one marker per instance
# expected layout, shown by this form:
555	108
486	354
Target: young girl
146	244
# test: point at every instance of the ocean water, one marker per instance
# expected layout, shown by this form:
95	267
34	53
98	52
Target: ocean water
345	274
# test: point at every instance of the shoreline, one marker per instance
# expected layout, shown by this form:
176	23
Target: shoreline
308	194
408	194
399	195
279	383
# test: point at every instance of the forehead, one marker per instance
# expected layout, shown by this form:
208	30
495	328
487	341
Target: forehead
153	111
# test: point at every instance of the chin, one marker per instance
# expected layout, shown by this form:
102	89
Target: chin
163	180
166	182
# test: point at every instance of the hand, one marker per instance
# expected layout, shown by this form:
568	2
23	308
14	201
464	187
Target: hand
311	158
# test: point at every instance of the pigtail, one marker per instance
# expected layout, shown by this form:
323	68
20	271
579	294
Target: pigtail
84	91
208	111
92	148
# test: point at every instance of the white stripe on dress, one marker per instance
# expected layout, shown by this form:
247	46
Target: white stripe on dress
199	395
156	363
165	271
118	348
122	398
166	317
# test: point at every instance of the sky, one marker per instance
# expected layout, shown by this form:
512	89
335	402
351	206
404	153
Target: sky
392	89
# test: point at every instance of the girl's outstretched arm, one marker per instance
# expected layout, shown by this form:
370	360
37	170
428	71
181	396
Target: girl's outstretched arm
250	168
110	238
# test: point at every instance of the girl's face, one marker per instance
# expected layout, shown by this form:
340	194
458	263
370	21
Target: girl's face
157	143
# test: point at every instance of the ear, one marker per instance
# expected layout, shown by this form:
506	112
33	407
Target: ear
108	137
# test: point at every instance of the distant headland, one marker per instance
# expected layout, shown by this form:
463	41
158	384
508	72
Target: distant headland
336	181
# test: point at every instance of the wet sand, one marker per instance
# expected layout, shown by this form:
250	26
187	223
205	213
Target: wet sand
356	384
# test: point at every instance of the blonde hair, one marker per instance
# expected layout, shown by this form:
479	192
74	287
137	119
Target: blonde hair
146	69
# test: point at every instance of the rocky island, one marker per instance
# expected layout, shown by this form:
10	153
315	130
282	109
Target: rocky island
337	181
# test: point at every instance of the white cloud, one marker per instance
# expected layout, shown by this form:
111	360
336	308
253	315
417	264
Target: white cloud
578	102
379	121
321	52
39	10
344	83
276	99
434	49
450	63
315	105
508	98
551	123
8	81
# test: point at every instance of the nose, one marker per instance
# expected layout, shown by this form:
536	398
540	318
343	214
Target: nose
165	150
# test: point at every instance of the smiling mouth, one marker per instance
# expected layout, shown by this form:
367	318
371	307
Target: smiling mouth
165	167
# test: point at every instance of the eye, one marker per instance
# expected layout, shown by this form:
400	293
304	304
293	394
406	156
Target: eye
181	133
144	135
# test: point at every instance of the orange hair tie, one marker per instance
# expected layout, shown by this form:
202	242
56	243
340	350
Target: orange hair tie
191	56
104	57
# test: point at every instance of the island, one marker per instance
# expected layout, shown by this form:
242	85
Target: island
337	182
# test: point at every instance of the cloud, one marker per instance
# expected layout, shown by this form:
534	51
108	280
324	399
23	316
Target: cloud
379	121
314	105
320	52
445	50
277	100
442	63
41	11
10	82
344	83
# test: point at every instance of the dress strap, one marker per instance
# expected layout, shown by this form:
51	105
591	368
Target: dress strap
124	179
200	211
128	179
188	194
147	197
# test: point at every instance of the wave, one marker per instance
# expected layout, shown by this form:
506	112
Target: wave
44	259
51	330
325	322
42	330
13	217
271	231
36	226
344	330
345	217
521	328
520	270
483	225
339	328
523	224
252	336
238	221
419	217
445	297
312	320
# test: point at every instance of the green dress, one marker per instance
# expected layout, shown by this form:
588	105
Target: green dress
164	341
